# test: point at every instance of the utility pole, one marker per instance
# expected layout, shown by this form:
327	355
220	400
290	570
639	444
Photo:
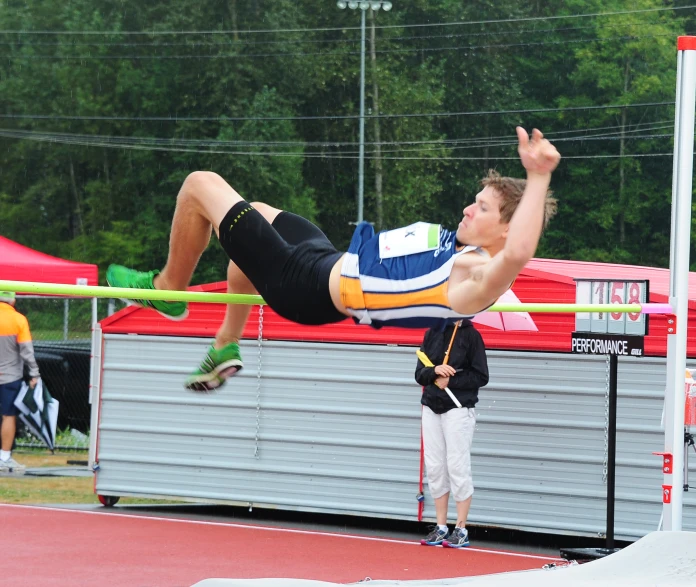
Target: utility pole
364	6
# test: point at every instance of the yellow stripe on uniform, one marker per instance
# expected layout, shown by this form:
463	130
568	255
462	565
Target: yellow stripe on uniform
351	293
432	296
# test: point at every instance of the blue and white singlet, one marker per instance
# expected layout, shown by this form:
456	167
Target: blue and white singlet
409	290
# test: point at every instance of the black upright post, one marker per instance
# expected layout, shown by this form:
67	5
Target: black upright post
611	456
584	554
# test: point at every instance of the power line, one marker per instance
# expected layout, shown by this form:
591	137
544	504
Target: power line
509	143
556	136
332	53
88	143
617	133
223	118
513	142
449	145
543	18
328	29
193	146
238	43
511	45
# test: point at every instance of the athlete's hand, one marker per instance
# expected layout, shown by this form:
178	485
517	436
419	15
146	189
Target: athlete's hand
537	154
445	370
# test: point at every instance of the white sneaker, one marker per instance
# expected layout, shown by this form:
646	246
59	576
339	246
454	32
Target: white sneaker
458	539
12	467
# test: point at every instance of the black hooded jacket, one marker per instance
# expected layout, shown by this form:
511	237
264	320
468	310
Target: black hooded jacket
468	354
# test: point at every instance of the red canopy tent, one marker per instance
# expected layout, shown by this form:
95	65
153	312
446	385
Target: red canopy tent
20	263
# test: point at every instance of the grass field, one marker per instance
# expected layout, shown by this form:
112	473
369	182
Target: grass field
48	335
29	489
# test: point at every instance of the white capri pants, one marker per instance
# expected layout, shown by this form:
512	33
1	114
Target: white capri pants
447	449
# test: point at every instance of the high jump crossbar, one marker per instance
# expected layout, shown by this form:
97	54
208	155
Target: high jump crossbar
246	299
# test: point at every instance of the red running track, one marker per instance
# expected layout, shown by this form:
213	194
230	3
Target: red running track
72	548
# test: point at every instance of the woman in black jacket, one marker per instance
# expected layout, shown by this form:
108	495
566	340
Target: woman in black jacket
451	373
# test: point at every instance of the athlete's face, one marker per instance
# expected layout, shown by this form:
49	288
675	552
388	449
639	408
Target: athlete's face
481	225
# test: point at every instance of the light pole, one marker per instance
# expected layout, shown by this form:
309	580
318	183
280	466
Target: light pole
364	6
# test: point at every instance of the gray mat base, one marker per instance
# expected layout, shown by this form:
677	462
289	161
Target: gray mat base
660	559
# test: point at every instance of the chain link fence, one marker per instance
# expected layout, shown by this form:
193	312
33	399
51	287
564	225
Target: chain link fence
61	329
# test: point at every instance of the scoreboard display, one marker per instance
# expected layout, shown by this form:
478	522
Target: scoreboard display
606	332
590	291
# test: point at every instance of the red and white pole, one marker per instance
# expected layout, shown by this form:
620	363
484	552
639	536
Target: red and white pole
672	502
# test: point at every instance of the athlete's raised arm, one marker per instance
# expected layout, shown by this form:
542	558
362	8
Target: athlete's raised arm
484	283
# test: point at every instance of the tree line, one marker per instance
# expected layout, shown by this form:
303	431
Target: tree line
106	106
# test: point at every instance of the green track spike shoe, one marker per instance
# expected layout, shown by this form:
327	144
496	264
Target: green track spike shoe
217	367
119	276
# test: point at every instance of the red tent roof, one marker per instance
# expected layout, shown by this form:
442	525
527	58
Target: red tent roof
566	271
20	263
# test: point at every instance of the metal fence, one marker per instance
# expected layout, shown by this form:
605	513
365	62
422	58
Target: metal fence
61	329
335	428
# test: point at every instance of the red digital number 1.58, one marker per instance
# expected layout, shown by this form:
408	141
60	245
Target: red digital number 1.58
616	298
634	298
599	290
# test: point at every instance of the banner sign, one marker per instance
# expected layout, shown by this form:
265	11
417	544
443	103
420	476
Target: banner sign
594	343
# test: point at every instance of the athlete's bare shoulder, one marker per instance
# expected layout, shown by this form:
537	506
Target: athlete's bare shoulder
472	259
468	266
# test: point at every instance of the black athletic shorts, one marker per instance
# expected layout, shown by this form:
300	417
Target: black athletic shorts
288	262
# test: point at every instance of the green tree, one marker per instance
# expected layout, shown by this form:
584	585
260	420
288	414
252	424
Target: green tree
617	200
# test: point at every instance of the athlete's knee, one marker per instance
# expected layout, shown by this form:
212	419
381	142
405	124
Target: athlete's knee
268	212
198	183
238	281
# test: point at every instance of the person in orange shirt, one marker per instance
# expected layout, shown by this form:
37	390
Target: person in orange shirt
16	349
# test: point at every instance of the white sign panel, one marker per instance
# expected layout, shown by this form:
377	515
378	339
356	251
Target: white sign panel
599	295
617	295
583	295
619	291
636	293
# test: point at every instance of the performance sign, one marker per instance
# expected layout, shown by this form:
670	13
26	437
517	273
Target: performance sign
593	343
